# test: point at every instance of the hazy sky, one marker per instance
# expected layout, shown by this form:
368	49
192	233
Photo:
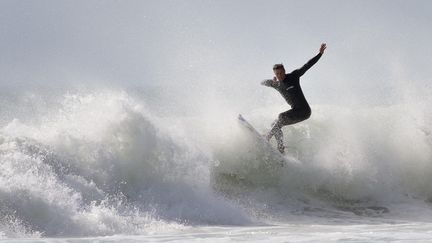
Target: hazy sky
373	46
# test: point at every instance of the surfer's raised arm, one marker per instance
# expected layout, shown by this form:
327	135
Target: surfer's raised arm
312	61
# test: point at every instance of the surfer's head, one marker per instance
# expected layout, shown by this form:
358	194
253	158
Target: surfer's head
279	71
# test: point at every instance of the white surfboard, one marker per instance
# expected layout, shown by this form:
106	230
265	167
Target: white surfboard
262	141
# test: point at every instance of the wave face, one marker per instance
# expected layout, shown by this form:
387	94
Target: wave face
105	163
361	161
100	164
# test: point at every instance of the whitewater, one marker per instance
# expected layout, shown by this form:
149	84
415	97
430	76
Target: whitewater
111	165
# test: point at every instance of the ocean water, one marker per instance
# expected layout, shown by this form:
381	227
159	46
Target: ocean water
115	165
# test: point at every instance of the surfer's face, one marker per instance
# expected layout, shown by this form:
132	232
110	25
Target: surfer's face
279	73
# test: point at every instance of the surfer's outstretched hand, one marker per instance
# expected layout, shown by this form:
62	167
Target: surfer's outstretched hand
322	48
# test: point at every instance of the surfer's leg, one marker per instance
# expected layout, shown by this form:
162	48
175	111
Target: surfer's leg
277	132
293	116
270	134
286	118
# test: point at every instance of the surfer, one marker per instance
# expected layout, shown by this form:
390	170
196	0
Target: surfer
288	84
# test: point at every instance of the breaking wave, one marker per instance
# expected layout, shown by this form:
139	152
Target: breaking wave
103	163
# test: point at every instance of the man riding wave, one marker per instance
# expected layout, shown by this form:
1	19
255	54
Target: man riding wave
288	85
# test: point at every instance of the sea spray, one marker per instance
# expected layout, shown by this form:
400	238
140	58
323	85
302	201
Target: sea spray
102	165
351	158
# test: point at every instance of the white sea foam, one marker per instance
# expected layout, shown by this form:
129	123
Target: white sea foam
103	163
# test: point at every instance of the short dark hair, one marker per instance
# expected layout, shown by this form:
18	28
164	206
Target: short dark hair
278	66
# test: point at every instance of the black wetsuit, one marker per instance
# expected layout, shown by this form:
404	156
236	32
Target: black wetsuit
291	91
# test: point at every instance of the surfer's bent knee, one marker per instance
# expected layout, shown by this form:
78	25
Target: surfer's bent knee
293	116
308	114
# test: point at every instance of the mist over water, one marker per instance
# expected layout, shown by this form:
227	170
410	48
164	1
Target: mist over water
121	119
108	160
103	161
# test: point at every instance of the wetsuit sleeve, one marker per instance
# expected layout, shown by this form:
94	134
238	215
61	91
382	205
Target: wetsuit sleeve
308	65
267	82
